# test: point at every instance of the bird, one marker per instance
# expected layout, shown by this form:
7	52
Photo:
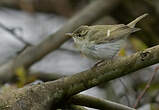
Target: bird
103	42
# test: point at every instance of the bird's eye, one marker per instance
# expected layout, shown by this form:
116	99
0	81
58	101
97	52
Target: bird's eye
79	35
82	33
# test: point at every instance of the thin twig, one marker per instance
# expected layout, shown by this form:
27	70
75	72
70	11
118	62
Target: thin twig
146	88
76	107
92	102
127	90
12	32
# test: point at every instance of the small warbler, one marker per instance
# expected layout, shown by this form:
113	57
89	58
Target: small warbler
103	42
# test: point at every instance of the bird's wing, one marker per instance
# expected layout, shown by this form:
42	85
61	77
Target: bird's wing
107	33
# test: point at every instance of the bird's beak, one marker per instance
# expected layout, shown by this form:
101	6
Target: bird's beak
69	34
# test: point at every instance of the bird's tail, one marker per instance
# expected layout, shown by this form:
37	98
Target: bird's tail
133	23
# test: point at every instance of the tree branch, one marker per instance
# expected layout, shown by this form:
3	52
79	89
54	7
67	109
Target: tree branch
12	32
97	103
75	107
42	96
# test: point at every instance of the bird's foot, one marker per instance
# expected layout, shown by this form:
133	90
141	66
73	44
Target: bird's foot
98	63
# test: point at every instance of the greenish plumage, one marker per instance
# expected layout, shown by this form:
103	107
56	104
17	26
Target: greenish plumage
110	32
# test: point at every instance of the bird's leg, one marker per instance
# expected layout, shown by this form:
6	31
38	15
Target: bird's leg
98	63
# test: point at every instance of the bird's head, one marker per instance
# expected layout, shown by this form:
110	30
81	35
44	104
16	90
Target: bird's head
79	34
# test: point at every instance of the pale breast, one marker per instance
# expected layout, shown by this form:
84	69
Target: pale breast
103	51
